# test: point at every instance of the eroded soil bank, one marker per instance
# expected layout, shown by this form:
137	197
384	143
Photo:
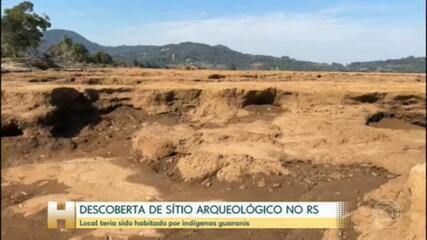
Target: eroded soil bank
143	135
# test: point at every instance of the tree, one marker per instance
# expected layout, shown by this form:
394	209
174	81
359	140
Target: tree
80	53
102	58
62	52
68	53
136	63
21	29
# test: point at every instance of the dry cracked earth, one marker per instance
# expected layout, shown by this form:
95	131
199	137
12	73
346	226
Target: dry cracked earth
164	135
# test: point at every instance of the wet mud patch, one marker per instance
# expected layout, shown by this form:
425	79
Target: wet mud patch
109	136
394	123
353	181
306	182
367	97
18	226
390	121
18	193
20	150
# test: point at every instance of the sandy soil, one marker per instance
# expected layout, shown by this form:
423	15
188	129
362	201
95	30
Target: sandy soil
155	135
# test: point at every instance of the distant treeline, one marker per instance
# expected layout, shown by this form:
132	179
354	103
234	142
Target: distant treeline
198	55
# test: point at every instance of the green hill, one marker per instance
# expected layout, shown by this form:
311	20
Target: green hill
222	57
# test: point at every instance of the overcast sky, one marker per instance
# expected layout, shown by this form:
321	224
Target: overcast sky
316	30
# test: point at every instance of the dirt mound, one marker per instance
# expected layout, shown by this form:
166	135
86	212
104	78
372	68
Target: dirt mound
204	105
199	166
219	106
228	168
155	146
228	152
166	100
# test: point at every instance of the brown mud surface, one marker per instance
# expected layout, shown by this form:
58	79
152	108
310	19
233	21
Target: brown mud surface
168	135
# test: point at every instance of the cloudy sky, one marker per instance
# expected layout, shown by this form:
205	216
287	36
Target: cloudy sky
316	30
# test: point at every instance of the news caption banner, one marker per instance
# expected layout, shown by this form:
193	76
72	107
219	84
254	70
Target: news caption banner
203	215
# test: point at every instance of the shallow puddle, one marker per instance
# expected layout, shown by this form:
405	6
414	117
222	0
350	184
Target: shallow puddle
394	123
